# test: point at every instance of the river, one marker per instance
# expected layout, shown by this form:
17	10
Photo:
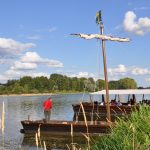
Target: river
18	108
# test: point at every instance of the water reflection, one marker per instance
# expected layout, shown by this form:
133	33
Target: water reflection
52	142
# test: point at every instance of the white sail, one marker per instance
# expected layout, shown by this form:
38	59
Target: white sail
99	36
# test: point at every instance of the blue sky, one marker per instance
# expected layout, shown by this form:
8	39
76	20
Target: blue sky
35	39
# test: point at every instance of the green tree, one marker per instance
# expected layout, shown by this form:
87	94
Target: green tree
127	83
113	85
27	83
17	89
41	84
100	84
75	84
81	84
11	82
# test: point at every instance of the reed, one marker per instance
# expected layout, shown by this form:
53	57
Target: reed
130	133
44	145
3	118
75	146
39	141
39	136
72	134
85	119
36	141
3	124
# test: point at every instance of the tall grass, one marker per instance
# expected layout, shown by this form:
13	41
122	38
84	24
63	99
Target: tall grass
2	127
131	133
3	118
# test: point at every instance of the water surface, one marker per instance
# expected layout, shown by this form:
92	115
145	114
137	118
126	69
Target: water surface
18	108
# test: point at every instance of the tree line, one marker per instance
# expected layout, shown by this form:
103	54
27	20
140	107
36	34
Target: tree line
61	83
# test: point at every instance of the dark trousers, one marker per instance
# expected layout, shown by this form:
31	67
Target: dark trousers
47	114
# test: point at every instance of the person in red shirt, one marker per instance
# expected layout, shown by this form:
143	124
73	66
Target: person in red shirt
47	106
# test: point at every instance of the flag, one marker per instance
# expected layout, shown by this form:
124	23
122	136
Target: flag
98	17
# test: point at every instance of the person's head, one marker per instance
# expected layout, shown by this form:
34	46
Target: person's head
49	98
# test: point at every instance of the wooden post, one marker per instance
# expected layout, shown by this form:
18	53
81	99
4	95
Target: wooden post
105	72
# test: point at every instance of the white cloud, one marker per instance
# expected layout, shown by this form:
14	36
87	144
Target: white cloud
134	72
12	47
140	71
3	78
83	74
119	70
139	27
10	75
16	74
2	61
39	74
23	66
78	74
122	70
147	79
33	57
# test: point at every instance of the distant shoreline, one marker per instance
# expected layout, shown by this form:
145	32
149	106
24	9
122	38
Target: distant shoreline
32	94
38	94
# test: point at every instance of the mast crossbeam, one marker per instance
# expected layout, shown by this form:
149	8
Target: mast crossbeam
99	36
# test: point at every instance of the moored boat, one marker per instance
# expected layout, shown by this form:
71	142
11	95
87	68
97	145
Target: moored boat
96	111
65	127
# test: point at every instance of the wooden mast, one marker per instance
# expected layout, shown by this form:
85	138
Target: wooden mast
103	38
105	72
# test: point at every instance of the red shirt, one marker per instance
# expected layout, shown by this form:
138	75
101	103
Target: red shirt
47	104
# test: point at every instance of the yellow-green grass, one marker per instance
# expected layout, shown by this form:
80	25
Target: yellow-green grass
131	133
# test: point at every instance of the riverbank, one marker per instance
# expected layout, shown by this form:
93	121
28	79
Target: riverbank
30	94
41	94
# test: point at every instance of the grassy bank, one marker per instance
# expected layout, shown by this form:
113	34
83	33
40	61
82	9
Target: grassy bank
132	133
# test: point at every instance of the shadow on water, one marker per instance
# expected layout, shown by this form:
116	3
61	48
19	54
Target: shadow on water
52	142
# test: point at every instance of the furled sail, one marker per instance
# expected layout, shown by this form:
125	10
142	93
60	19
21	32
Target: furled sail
99	36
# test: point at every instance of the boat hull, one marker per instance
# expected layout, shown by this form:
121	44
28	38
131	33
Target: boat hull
65	127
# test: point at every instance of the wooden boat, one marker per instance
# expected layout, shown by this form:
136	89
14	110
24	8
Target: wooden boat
96	111
65	127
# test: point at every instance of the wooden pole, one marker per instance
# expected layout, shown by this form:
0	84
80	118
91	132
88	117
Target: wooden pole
105	72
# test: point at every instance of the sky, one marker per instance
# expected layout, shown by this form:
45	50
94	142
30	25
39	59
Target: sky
36	40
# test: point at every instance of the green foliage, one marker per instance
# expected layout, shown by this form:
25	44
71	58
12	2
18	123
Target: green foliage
100	84
61	83
113	85
17	89
127	83
133	133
